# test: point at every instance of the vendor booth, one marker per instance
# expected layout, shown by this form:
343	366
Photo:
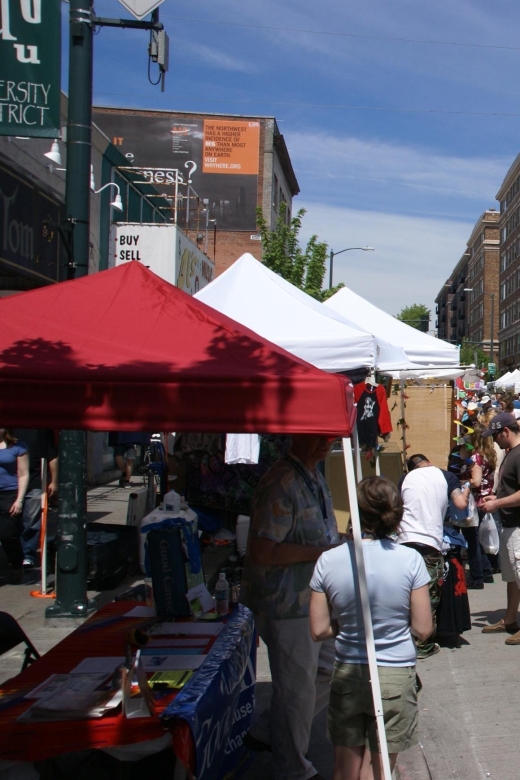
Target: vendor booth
269	305
125	350
421	349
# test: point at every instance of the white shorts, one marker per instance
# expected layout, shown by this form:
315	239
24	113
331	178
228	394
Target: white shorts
510	555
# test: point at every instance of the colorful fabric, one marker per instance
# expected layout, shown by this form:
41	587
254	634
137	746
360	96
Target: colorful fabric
286	508
488	477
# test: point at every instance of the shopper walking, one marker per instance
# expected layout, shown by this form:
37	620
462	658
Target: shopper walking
397	581
426	491
480	473
505	430
14	478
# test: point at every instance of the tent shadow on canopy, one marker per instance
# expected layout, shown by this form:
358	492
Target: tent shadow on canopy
124	350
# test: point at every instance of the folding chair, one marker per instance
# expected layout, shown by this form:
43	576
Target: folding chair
11	634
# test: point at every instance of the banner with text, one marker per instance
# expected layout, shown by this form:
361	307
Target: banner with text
30	53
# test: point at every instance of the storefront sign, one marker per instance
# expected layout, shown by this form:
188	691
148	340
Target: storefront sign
28	247
165	250
30	41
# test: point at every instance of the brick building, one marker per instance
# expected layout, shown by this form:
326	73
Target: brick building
451	302
234	164
482	301
509	274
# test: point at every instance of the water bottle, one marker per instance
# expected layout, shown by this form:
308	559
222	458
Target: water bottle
171	502
242	534
222	595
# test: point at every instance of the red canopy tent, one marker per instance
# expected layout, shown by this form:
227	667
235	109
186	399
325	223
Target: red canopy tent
125	350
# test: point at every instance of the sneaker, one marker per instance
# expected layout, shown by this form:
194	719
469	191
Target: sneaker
435	649
121	482
28	563
489	580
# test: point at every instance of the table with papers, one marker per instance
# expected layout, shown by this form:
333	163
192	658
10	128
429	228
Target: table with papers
83	669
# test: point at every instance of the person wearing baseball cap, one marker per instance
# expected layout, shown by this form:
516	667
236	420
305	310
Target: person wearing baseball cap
505	430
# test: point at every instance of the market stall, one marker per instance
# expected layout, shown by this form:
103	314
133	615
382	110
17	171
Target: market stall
421	349
269	305
124	350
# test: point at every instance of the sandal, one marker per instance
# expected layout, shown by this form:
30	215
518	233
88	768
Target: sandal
501	627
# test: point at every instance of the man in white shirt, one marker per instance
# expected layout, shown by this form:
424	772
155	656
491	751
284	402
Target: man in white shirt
426	491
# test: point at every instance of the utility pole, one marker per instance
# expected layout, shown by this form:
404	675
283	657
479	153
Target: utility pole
71	558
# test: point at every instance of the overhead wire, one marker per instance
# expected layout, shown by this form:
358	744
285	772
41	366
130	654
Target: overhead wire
337	34
296	104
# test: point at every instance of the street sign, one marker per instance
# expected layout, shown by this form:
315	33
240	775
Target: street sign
30	52
492	367
141	8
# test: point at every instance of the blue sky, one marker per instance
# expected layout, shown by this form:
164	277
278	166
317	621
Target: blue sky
396	144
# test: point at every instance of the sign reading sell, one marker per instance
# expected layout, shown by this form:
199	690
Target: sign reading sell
30	52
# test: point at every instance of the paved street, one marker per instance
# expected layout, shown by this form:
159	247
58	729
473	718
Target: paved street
468	707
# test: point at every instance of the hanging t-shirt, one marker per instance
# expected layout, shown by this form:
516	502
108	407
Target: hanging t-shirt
373	416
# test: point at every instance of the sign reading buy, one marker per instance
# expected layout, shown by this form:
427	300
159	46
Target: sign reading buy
231	146
30	52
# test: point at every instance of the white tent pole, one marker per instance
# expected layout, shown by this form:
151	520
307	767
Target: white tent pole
365	604
403	425
378	465
359	470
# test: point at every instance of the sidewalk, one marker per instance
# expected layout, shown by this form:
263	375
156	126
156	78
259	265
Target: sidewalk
469	710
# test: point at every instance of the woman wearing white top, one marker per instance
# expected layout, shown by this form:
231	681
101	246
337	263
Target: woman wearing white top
397	581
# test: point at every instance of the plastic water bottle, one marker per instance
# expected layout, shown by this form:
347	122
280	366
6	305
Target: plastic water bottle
242	534
171	502
222	595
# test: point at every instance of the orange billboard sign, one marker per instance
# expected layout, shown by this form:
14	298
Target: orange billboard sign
231	146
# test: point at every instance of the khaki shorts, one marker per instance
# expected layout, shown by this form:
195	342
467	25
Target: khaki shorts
351	710
510	555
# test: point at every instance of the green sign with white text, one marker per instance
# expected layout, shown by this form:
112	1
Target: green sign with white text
30	60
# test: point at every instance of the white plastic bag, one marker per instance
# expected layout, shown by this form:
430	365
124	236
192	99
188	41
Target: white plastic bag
488	535
467	517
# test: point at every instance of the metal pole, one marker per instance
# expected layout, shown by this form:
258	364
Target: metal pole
71	558
491	334
331	262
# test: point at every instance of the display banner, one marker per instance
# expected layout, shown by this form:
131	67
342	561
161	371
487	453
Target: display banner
218	703
30	60
219	157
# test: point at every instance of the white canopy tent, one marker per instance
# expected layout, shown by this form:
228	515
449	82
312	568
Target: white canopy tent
424	351
508	379
251	294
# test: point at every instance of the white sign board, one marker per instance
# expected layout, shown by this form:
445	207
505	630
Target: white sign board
140	8
165	250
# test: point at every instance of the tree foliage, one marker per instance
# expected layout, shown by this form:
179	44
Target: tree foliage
415	316
282	253
467	354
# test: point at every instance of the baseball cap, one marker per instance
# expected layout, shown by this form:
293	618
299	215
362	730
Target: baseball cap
499	422
485	399
472	406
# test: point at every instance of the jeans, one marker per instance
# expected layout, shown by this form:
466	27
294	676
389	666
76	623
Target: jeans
32	516
479	565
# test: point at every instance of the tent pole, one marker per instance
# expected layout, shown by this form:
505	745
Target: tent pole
365	604
44	526
378	465
403	425
357	452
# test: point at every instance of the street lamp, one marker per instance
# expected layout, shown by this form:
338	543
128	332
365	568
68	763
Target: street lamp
491	329
348	249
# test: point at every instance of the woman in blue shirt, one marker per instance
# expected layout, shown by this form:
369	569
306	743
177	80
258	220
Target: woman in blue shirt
397	581
14	478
